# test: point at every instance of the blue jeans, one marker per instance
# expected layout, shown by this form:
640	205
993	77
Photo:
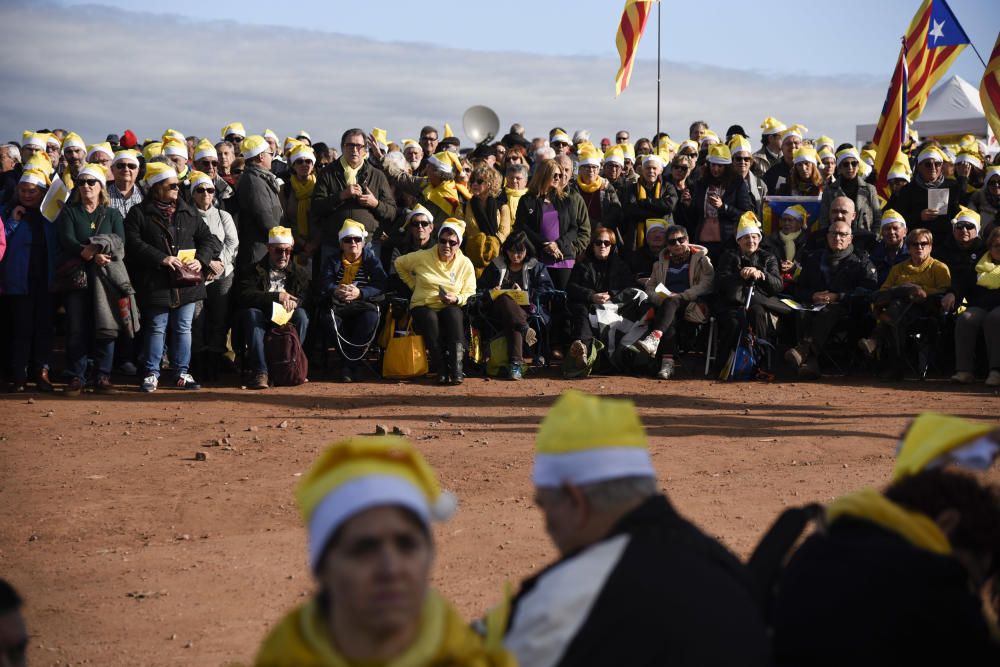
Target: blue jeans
80	336
256	324
156	320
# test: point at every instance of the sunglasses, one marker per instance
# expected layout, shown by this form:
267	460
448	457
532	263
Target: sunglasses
920	244
679	167
281	251
621	139
210	164
850	164
448	242
965	226
203	191
89	182
742	159
421	223
173	186
677	240
354	147
236	172
602	243
351	240
126	165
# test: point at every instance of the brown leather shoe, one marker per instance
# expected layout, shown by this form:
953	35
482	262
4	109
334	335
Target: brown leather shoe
74	387
42	381
104	386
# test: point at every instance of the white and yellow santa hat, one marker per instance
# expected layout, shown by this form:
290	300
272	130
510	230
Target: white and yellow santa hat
667	144
103	147
749	224
890	216
900	170
196	178
158	171
268	133
798	212
73	140
560	136
418	210
303	133
991	172
301	152
847	154
94	170
654	157
41	162
967	215
615	154
455	225
289	145
175	147
126	155
934	440
586	439
205	149
588	154
278	235
234	128
719	154
35	176
740	144
971	156
772	125
446	161
931	153
822	141
709	138
352	228
361	473
152	149
805	154
795	130
253	146
175	134
37	139
826	153
655	223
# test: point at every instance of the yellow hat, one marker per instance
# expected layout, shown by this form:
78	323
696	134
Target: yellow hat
991	173
447	131
127	155
772	125
278	235
559	136
719	154
793	131
967	215
654	157
205	149
890	216
270	134
615	154
36	139
196	178
302	152
41	162
586	439
253	146
53	140
655	223
289	144
158	171
824	140
73	140
174	134
35	177
588	154
710	137
103	147
805	154
381	137
970	156
177	147
362	473
352	228
934	440
152	149
848	153
826	154
234	128
687	143
931	153
900	169
410	143
303	133
629	150
798	212
668	144
418	210
740	144
967	141
446	161
455	225
868	157
94	170
748	225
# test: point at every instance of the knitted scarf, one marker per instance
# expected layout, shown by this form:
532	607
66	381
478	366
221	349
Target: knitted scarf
591	188
789	241
641	190
988	272
166	208
350	270
303	196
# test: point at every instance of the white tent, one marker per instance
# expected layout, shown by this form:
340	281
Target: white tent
952	108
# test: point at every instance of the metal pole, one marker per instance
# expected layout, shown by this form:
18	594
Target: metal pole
659	13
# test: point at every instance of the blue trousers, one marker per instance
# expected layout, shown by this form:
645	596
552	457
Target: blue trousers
256	324
80	337
157	320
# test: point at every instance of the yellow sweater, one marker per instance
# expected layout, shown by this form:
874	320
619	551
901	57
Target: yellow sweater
425	274
933	275
302	640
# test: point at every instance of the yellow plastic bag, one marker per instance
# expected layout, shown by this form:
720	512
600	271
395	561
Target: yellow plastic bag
405	357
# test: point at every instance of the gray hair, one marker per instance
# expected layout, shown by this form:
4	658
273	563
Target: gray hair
13	152
517	168
544	153
396	159
517	129
614	493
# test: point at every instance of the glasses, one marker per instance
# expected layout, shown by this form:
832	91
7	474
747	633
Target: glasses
205	191
742	159
89	182
850	164
840	235
513	158
621	140
448	242
354	147
602	243
421	223
556	176
677	240
173	186
679	167
126	165
965	226
236	172
281	251
428	138
994	184
351	240
205	163
920	244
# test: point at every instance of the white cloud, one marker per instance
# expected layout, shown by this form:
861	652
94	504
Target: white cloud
98	70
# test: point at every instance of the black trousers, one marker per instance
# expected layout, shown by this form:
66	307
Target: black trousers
441	329
665	319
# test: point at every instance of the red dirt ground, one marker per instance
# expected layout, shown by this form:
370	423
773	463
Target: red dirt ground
129	551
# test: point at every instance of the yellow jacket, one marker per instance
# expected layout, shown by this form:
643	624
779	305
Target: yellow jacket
425	274
302	640
933	275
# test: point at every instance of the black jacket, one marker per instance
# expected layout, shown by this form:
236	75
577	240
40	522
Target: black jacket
656	591
259	210
611	206
962	264
912	199
854	277
730	285
637	211
254	283
735	202
574	222
590	277
329	211
149	240
779	174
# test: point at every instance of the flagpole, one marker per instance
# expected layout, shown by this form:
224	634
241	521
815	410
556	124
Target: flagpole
659	12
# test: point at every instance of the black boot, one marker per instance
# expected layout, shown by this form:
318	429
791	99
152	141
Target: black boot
437	363
455	360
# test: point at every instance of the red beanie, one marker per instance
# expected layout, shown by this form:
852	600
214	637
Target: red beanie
129	139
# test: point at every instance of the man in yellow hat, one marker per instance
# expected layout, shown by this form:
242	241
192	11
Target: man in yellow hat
635	583
770	145
258	201
929	200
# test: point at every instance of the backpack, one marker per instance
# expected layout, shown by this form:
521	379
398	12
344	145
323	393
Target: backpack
287	365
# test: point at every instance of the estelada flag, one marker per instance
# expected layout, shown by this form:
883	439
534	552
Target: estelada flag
989	90
933	41
630	30
891	131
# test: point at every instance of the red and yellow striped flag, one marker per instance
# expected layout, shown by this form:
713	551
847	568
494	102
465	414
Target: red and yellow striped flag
933	41
989	90
891	130
629	32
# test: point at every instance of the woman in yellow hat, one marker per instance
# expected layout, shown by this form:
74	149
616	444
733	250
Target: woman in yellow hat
805	179
368	503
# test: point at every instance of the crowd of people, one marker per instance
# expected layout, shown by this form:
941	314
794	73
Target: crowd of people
178	256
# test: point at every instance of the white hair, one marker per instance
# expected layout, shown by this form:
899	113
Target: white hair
544	153
396	159
13	152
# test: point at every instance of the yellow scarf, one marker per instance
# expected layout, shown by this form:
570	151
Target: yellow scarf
350	173
303	195
301	639
513	197
350	270
988	272
789	241
445	197
67	179
870	505
590	188
641	190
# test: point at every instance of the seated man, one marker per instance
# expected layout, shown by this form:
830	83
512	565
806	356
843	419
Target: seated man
635	583
273	281
962	250
835	279
891	248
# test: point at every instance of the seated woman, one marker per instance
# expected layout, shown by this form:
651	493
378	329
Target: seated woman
912	290
687	274
983	312
442	279
740	268
487	224
595	280
352	277
789	242
368	503
516	268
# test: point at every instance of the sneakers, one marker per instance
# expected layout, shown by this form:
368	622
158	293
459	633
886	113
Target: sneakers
185	381
666	368
74	387
963	377
104	386
650	343
259	381
993	379
868	346
578	353
515	371
150	384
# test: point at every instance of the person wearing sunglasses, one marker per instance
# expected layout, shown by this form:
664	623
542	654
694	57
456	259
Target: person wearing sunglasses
210	326
417	233
124	192
961	252
164	234
441	280
913	290
487	224
206	160
913	200
739	147
850	184
986	200
981	314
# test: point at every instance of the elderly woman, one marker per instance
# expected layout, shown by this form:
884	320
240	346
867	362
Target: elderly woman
805	179
352	279
88	215
487	223
442	279
418	234
598	193
206	160
515	186
296	193
986	201
868	211
438	190
516	268
171	248
718	200
368	503
913	289
555	220
789	242
210	326
982	313
26	272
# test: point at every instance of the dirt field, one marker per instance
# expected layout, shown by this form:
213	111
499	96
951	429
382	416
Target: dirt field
129	551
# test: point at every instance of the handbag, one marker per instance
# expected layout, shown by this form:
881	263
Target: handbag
70	275
185	276
405	357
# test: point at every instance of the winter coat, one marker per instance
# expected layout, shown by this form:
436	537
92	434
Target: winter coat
254	286
16	266
855	276
610	205
866	205
370	280
912	199
730	286
591	276
980	203
636	211
328	211
701	275
735	202
259	212
574	222
962	265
